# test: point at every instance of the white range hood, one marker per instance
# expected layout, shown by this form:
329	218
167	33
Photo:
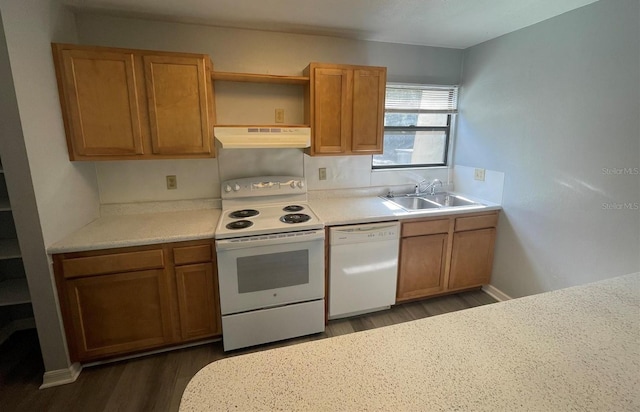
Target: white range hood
254	137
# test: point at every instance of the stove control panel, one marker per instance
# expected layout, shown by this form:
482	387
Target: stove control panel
263	186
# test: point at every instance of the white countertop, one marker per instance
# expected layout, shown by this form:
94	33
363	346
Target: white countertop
349	210
127	225
114	231
571	349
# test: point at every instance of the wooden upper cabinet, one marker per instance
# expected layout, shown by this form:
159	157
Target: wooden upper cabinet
345	108
101	97
332	110
177	92
368	110
134	104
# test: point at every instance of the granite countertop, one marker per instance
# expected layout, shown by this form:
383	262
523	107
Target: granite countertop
116	230
570	349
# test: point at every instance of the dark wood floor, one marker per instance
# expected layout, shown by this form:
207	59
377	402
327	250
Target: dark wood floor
156	382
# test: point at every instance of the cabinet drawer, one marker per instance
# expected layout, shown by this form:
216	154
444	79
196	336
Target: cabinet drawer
476	222
192	254
428	227
114	263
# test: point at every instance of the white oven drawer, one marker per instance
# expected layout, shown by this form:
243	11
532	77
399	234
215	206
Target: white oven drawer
270	325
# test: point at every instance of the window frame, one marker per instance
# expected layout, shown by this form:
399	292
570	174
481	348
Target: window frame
446	129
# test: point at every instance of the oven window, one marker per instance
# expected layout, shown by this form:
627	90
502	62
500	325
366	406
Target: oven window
273	271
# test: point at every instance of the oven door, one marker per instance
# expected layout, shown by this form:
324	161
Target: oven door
265	271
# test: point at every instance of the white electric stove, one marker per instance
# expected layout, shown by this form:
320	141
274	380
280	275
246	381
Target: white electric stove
270	250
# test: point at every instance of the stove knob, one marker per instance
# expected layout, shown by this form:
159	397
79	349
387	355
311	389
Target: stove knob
236	187
300	184
227	188
293	184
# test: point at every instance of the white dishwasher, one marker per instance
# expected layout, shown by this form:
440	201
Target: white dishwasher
363	268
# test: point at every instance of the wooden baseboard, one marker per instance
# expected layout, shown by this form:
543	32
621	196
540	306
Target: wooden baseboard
496	293
16	325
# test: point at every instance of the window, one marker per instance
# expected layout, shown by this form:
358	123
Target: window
417	123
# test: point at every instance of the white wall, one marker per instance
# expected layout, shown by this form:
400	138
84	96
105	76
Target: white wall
258	52
553	106
50	196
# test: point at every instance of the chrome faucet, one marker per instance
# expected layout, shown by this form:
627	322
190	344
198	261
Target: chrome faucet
430	186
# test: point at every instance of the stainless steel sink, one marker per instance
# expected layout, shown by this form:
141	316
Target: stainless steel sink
413	203
449	200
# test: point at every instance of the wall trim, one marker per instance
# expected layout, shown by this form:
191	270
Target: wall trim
61	376
496	293
16	325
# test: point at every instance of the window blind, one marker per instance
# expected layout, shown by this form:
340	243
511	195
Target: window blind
411	98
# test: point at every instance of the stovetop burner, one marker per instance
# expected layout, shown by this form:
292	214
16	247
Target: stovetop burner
293	208
239	224
242	214
295	218
265	205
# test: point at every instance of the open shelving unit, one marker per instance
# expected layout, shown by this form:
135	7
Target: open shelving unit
259	78
273	79
14	290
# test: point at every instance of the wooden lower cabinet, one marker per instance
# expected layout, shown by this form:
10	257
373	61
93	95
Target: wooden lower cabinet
121	301
119	313
471	258
445	255
422	264
195	285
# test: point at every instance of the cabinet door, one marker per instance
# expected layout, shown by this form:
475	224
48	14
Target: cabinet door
102	111
332	110
472	258
179	106
196	301
119	313
368	110
422	265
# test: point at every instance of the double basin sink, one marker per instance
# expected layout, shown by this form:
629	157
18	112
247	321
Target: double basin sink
422	202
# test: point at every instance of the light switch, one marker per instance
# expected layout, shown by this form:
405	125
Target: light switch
322	173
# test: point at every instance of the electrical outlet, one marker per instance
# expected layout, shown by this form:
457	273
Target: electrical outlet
172	182
279	115
478	174
322	173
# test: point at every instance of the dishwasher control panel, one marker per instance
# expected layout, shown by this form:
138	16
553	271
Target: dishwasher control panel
373	232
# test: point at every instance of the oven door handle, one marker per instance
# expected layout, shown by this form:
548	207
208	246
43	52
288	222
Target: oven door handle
269	240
